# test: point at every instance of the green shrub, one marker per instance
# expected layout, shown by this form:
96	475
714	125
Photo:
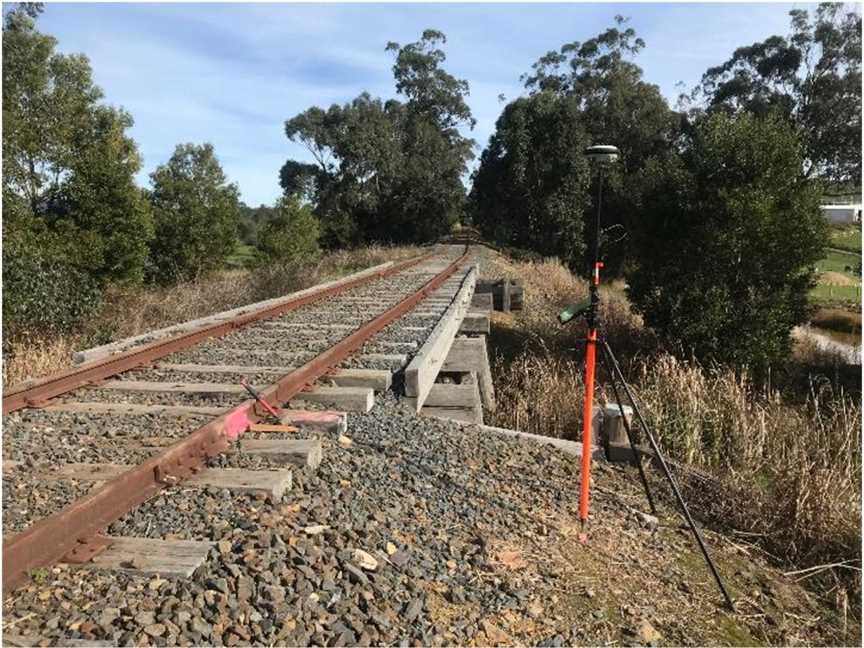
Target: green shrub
43	292
729	234
292	236
196	212
531	187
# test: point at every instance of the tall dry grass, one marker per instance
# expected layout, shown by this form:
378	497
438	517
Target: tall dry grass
130	311
539	393
31	358
788	476
796	468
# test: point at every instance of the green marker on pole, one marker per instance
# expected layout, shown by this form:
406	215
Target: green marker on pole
574	310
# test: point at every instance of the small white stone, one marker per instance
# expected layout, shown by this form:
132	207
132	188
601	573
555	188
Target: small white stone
535	610
315	529
365	560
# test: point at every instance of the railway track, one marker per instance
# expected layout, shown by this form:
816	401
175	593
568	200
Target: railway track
397	530
83	449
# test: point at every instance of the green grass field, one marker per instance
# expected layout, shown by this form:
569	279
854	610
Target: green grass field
836	261
846	237
828	293
838	281
839	278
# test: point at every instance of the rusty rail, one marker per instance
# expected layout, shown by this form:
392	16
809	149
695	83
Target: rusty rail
72	532
35	394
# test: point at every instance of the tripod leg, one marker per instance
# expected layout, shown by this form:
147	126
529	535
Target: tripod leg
636	454
695	529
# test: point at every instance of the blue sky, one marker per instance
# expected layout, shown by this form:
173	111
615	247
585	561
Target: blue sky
231	74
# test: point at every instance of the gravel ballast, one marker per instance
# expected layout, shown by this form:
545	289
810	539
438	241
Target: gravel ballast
473	540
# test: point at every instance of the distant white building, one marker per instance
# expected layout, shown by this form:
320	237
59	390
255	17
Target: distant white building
841	213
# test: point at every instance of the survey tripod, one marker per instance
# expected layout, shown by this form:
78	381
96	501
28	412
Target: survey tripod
602	156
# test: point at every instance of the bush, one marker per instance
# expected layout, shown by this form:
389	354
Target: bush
196	212
68	163
43	293
292	236
725	248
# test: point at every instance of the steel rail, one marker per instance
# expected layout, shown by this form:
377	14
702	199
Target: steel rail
35	394
72	532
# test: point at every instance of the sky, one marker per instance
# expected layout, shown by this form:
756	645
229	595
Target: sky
231	74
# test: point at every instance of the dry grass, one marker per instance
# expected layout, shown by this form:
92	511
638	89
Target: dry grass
539	394
796	467
132	311
31	358
787	471
137	311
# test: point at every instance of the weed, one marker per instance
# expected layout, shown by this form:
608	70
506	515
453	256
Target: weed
40	575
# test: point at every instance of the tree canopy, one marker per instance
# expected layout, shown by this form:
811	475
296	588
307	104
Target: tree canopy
811	77
73	217
591	89
386	170
68	165
616	106
530	189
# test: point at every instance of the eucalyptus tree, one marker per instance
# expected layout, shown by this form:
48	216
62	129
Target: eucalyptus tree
387	170
615	104
531	187
591	88
811	77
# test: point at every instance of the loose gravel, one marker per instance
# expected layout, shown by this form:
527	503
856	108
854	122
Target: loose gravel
36	441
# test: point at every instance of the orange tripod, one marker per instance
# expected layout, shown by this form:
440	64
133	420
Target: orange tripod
591	313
